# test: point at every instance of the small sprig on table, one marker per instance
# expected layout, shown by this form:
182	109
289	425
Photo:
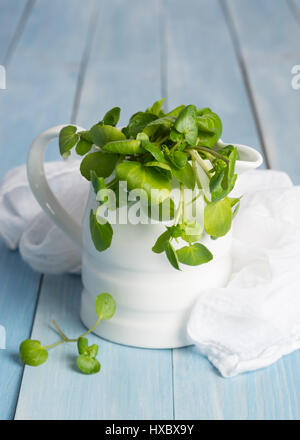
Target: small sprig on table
33	353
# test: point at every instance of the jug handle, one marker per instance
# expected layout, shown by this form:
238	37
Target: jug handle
41	190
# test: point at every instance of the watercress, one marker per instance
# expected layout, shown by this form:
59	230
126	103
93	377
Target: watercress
33	353
157	151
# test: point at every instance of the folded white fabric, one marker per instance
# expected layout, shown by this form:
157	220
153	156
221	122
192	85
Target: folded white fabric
23	224
255	319
247	325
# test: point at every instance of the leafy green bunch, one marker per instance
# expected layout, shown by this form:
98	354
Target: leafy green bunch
153	150
33	353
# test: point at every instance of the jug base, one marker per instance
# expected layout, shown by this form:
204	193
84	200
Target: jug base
147	330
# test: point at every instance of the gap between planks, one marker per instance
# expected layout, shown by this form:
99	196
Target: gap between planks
242	64
19	31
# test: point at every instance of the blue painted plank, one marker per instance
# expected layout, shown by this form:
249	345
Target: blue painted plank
42	74
202	67
206	72
270	53
132	383
17	293
124	69
10	15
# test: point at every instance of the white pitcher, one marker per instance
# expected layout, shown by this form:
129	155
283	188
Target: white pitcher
153	299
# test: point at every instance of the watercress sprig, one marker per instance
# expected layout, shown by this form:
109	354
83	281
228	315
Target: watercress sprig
154	150
33	353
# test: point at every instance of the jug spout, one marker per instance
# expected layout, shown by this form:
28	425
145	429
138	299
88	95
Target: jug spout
249	158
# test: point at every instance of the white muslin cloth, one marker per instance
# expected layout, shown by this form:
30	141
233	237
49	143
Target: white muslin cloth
251	322
23	224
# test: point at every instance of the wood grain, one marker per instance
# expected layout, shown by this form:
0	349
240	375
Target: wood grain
133	383
209	74
270	53
123	70
190	54
11	14
18	294
42	73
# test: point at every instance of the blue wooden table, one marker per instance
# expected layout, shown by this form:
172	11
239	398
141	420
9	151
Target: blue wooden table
70	61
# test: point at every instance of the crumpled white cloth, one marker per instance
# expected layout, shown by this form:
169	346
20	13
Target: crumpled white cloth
247	325
255	319
23	224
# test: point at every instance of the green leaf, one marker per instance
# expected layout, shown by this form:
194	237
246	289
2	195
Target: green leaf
146	178
156	151
161	242
124	147
176	111
105	306
102	134
209	128
171	255
162	165
223	180
185	175
156	108
68	138
161	126
192	232
178	159
83	147
97	182
82	345
175	136
112	116
92	351
86	136
103	164
217	218
33	353
234	203
186	123
143	138
233	200
88	365
101	234
176	231
138	122
194	255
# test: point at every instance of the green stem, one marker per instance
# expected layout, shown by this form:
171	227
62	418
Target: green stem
180	210
91	329
182	198
65	338
200	161
174	146
213	153
112	183
196	174
161	140
55	345
59	331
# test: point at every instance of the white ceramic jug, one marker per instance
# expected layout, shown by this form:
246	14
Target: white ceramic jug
153	299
